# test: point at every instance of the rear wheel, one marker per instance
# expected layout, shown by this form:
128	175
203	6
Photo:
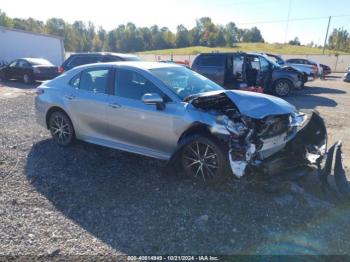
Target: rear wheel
61	128
282	87
204	160
27	79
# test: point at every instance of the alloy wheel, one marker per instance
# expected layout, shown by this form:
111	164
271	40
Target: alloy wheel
60	129
201	161
282	88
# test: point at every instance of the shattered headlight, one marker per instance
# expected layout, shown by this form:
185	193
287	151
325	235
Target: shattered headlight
237	128
297	119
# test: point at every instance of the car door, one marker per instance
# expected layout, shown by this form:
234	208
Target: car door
12	70
87	100
23	67
265	73
139	126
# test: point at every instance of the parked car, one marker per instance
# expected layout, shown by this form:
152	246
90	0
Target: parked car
97	57
310	72
347	75
301	61
28	70
169	112
252	69
326	69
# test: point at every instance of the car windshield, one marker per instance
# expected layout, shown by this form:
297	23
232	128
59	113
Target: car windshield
38	61
184	82
273	61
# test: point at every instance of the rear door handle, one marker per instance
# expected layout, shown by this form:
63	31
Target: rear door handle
114	105
69	97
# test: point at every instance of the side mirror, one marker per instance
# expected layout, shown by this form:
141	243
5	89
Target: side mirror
154	99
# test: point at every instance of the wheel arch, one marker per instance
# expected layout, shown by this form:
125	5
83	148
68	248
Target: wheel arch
284	78
195	128
55	109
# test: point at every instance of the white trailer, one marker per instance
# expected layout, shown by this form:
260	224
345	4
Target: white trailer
16	43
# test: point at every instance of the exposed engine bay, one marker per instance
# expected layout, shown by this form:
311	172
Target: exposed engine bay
270	142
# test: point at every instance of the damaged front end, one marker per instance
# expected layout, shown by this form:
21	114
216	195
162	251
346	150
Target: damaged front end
271	136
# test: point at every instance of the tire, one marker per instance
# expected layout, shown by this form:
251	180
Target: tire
300	88
61	129
27	79
204	160
3	77
282	87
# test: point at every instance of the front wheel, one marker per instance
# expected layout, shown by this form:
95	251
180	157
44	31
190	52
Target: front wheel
3	77
204	160
282	87
61	128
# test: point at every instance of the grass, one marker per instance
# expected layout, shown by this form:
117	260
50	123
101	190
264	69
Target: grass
246	47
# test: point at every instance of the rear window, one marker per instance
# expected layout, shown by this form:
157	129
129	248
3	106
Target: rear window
38	61
132	58
212	60
110	59
83	60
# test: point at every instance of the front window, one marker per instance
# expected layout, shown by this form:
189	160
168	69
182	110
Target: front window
13	63
264	64
23	64
184	82
132	85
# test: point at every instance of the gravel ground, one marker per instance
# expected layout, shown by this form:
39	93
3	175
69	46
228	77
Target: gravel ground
89	200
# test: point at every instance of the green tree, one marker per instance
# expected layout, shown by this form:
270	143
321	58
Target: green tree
339	40
231	34
5	20
252	35
295	41
183	37
81	37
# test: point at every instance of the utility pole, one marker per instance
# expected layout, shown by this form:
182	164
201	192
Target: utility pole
325	40
287	23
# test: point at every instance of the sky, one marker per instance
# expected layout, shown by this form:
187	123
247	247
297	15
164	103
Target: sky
170	13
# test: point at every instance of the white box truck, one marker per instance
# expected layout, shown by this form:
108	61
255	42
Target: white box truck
16	43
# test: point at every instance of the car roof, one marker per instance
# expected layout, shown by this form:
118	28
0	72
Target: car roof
232	53
35	60
103	54
134	64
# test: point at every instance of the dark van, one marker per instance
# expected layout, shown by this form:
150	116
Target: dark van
79	59
233	70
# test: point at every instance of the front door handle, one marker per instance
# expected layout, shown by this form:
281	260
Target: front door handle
114	105
69	97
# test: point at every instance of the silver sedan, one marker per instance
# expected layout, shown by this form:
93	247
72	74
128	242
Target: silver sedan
169	112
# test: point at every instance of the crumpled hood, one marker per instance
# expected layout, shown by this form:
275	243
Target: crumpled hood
257	105
254	105
290	68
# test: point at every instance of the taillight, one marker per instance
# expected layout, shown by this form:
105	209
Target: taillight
60	70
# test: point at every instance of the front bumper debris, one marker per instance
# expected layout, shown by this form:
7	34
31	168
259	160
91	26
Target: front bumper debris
308	147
